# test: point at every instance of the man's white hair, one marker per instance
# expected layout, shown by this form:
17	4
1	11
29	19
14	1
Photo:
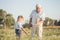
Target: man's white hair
38	5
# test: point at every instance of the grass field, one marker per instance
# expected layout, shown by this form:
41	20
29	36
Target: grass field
48	34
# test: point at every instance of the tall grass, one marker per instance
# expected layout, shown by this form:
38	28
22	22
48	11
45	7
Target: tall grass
48	34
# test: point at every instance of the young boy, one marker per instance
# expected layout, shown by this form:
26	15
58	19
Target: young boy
18	27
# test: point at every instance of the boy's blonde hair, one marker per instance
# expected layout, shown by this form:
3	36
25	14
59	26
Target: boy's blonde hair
20	16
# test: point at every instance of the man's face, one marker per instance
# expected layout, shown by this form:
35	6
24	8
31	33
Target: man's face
38	9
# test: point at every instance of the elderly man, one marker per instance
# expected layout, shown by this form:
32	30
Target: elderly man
36	19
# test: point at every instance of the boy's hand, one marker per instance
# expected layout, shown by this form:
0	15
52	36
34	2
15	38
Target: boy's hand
25	31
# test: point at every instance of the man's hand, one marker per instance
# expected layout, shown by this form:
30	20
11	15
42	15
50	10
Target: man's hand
39	22
30	25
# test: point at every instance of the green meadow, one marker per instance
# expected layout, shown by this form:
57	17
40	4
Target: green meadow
48	34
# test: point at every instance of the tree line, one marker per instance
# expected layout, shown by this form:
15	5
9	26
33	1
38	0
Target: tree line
8	20
51	22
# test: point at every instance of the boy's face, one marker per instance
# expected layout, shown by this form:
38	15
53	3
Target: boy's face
20	19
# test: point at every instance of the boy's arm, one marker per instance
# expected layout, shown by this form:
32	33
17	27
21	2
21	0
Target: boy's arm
24	31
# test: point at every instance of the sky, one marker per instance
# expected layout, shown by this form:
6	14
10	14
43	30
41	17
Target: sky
51	8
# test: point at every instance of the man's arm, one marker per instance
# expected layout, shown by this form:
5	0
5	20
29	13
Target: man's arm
30	23
41	20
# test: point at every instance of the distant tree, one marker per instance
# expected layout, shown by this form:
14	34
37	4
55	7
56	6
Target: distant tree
3	13
1	20
48	21
25	25
3	17
6	19
59	23
55	23
10	20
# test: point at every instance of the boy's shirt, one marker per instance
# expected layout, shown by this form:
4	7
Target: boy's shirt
18	25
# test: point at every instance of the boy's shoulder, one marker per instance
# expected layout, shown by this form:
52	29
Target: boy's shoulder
18	23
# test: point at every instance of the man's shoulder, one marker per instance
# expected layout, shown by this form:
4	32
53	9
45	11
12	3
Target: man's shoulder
33	10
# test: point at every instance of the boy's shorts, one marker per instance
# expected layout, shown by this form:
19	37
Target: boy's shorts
18	32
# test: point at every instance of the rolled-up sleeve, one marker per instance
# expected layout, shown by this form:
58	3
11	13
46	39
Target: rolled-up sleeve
43	17
31	14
